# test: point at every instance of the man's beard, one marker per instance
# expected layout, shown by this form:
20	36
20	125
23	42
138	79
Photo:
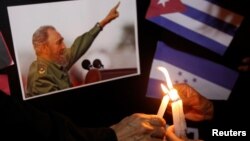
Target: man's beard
62	60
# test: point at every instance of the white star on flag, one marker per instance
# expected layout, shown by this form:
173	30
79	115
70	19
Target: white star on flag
162	2
203	22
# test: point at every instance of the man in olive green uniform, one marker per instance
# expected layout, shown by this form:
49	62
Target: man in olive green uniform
50	71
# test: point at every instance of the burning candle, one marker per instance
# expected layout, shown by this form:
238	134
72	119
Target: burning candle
178	114
177	105
164	102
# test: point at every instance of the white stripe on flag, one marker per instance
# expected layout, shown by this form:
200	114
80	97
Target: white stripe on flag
215	11
199	27
206	88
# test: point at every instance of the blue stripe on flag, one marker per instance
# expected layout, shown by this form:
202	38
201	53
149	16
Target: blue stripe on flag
210	20
208	70
191	35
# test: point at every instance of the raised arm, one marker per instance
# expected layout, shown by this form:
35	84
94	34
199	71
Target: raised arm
113	14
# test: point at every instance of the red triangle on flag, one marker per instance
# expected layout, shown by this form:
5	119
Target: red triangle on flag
171	6
4	84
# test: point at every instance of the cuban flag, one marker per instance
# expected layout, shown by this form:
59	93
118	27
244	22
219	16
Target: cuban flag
213	81
5	58
200	21
4	81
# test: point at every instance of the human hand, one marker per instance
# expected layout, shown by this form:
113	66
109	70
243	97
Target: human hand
245	64
141	127
113	14
196	107
170	135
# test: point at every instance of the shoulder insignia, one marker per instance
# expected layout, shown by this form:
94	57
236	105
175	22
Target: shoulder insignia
42	68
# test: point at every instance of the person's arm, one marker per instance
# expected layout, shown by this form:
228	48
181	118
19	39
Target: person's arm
23	121
83	42
113	14
139	126
81	45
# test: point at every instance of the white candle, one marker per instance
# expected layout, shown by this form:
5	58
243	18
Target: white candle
178	114
165	99
167	77
177	105
163	106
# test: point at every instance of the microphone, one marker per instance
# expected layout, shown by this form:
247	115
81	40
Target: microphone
86	64
97	64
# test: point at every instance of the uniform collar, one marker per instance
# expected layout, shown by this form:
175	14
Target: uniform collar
48	62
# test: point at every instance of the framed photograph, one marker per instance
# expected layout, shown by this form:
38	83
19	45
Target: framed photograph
74	51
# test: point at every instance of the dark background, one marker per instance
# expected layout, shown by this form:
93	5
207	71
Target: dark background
107	103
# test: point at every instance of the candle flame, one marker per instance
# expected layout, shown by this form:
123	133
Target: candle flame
167	77
164	89
173	94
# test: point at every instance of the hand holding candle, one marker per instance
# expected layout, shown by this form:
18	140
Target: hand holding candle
177	106
178	114
196	106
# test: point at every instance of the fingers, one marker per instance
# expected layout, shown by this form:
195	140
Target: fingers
140	127
158	132
143	138
186	91
114	13
194	116
147	123
170	135
244	68
156	120
152	119
117	5
152	125
245	65
196	106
